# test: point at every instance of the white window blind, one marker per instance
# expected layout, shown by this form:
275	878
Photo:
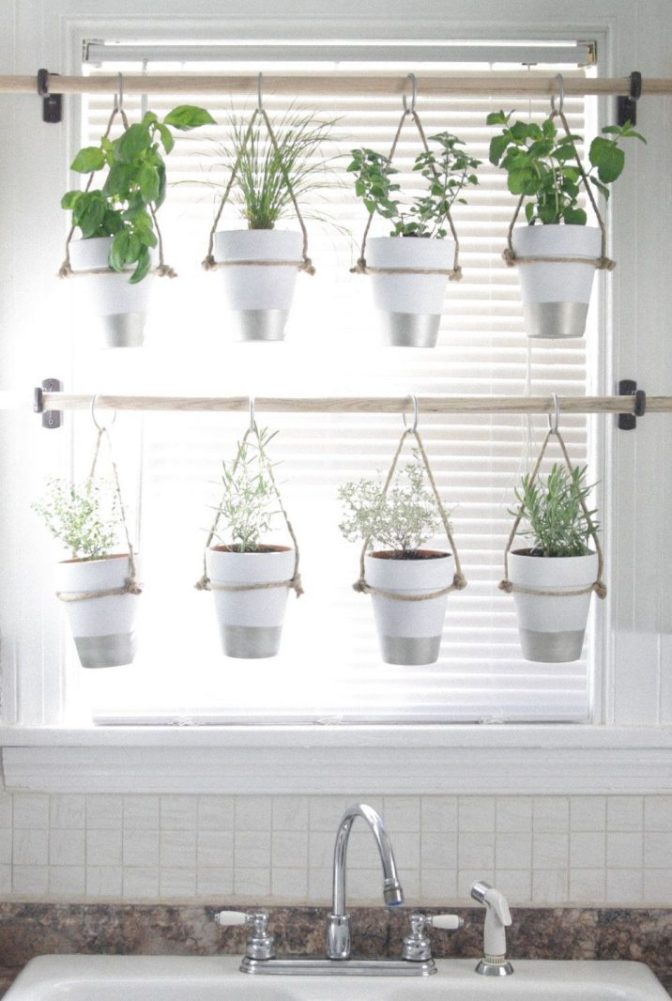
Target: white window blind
329	668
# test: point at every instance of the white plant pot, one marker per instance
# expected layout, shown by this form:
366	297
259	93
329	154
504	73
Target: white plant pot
103	628
552	627
121	306
260	295
556	295
250	622
411	305
409	631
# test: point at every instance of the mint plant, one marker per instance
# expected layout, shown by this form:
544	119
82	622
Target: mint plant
135	187
249	503
541	163
447	170
402	520
85	518
558	525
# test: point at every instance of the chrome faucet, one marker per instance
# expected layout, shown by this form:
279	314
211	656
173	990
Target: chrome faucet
338	924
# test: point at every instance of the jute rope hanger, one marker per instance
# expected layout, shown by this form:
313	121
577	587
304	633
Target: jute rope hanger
294	583
361	267
305	264
598	586
459	580
163	270
601	263
130	585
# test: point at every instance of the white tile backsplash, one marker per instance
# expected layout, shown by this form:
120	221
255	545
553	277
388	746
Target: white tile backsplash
540	850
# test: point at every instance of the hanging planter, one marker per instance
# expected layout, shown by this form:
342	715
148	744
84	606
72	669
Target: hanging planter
556	251
121	249
250	580
409	584
410	268
259	265
552	581
98	586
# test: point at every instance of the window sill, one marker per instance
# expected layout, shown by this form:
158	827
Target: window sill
353	760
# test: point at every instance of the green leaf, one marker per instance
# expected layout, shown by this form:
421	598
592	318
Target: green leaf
574	216
186	117
89	159
148	181
133	142
498	118
497	146
70	199
119	251
166	137
608	158
143	266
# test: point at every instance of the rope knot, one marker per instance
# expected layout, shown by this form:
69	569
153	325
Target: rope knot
509	257
307	266
165	271
600	589
208	263
605	264
360	586
203	584
297	585
455	275
506	586
360	267
459	582
65	269
131	586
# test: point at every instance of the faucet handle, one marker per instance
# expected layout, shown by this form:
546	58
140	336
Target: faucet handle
416	946
260	945
446	922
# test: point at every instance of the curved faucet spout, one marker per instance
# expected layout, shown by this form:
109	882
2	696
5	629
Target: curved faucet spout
338	929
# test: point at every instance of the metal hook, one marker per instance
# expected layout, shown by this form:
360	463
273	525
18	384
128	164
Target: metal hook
561	96
554	418
260	101
119	96
414	427
414	94
253	416
98	426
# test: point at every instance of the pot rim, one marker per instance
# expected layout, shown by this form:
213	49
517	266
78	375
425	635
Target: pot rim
427	554
89	561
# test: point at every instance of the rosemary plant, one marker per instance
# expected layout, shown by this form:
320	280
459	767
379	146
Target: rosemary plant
85	518
558	525
249	503
401	521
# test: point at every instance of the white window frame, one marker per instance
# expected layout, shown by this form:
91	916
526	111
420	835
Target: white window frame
629	747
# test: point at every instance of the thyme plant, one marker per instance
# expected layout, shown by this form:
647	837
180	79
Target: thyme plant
260	189
135	187
249	503
85	518
558	525
447	170
401	521
541	162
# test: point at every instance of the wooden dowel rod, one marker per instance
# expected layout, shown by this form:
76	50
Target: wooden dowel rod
430	83
362	404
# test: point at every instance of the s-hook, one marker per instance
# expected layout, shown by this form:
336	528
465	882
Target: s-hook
253	415
104	427
119	96
561	96
554	417
260	93
414	94
414	426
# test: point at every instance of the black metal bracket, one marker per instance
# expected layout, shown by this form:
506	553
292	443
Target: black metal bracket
628	422
626	107
51	419
52	104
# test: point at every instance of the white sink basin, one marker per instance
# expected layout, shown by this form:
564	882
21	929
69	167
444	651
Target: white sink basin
217	978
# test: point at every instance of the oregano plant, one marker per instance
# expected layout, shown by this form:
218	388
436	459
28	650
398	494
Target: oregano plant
124	206
447	169
85	518
542	163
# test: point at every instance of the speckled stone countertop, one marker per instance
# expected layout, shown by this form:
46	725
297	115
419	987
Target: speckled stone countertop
33	929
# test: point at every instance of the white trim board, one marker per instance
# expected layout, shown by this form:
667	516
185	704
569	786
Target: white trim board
479	760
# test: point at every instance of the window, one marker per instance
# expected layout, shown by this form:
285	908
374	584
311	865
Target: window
329	669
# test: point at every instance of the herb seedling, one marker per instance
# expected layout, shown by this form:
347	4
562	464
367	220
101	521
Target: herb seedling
249	503
558	525
447	170
541	163
85	518
135	187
